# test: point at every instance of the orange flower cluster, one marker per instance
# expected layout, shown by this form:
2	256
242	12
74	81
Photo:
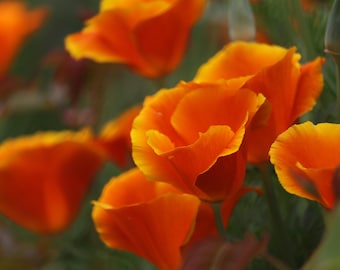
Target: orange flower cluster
16	23
191	144
150	37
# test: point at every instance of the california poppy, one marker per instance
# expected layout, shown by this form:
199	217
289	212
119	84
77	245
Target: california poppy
290	89
115	136
44	178
191	137
150	219
148	36
305	158
16	23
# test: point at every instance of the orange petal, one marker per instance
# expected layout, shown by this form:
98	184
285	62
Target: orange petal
150	219
16	23
156	115
279	90
115	136
171	145
309	87
290	90
223	105
172	29
223	178
135	25
193	160
290	95
45	177
239	59
305	158
97	42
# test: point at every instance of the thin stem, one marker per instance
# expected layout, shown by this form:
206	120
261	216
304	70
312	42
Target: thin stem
280	236
217	209
337	74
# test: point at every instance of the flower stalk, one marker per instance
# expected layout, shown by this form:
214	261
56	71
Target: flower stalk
332	47
217	209
280	236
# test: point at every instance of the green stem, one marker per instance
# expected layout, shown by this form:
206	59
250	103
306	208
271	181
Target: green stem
280	236
337	74
217	209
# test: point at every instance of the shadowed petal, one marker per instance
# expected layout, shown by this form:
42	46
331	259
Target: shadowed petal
305	159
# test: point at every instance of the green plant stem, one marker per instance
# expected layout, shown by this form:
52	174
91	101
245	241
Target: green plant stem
337	74
280	236
217	209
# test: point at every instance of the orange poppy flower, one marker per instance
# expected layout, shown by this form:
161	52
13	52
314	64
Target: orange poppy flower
305	158
16	23
190	136
44	178
290	89
115	136
148	36
150	219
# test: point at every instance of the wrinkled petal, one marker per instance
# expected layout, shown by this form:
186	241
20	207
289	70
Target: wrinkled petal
182	132
305	158
150	219
45	177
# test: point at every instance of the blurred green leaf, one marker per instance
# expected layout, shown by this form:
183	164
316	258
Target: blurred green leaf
326	256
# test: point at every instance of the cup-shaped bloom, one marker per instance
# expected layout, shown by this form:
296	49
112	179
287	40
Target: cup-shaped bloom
16	23
44	178
148	36
115	136
290	89
305	158
191	137
150	219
